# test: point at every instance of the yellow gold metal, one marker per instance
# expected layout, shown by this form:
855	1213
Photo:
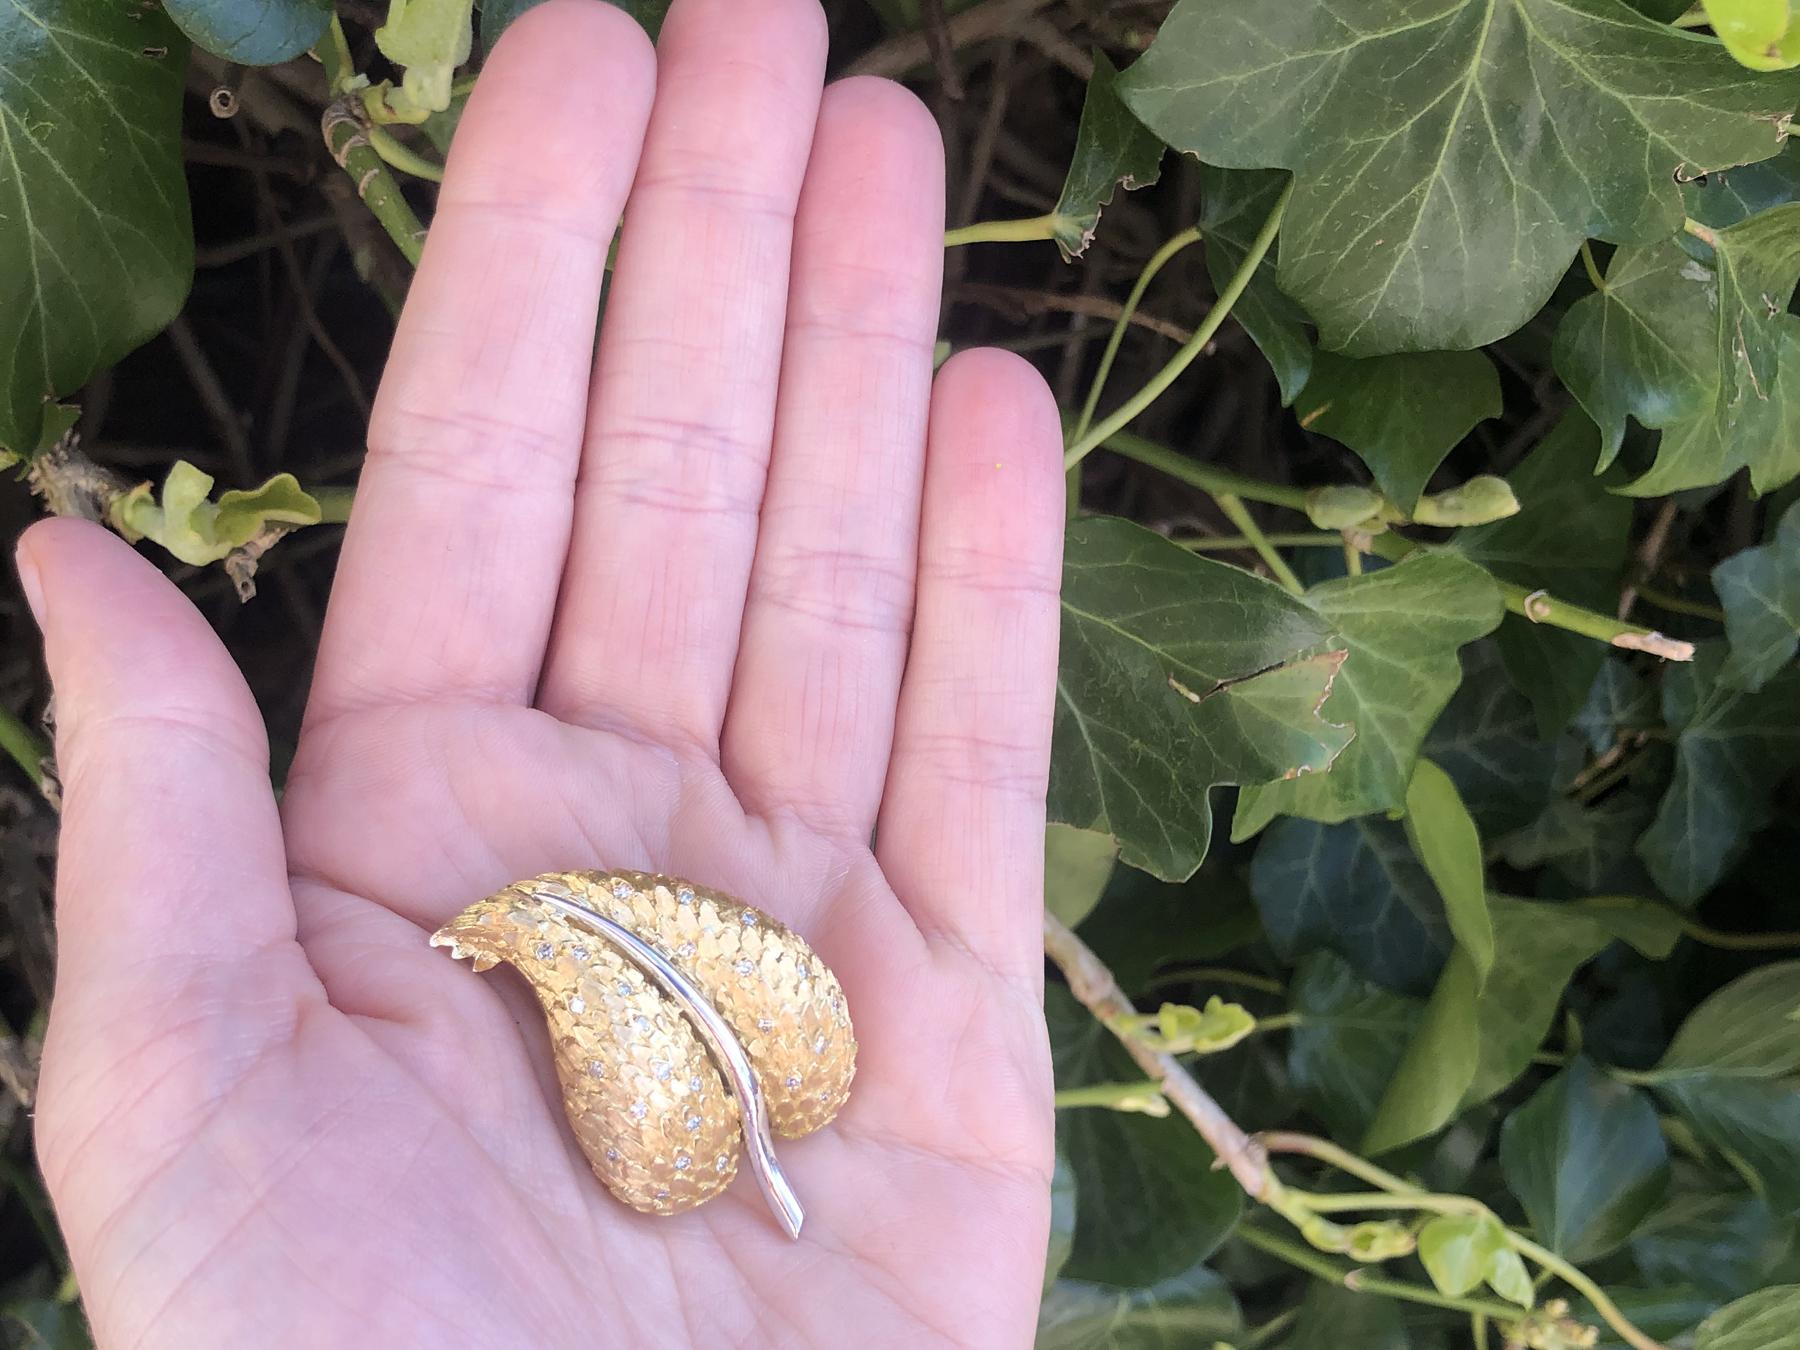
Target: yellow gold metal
638	975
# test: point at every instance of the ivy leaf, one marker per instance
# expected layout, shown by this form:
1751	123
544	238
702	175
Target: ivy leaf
1112	150
199	531
1195	1308
1569	538
1445	840
1449	159
1769	1319
1733	748
1335	1318
1592	848
1487	740
1235	203
497	14
1128	1233
1402	625
430	39
96	245
1178	673
252	32
1586	1159
1721	1238
1355	889
1062	1219
1461	1252
1723	199
1760	590
1348	1042
1761	34
1077	866
1733	1073
1620	701
1402	413
1477	1037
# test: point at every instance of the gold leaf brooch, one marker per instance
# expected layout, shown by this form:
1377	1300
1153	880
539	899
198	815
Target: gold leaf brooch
684	1025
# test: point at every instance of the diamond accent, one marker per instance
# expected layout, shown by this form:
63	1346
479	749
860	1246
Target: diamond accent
612	1155
639	1110
685	896
683	1162
621	889
596	1068
579	953
641	1022
793	1081
660	1068
545	951
624	990
721	1163
743	965
685	949
578	1005
694	1083
765	1024
748	918
819	1044
693	1124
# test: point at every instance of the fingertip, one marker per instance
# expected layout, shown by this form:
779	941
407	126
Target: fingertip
992	410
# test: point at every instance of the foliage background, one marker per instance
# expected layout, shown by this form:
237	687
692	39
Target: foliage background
1495	996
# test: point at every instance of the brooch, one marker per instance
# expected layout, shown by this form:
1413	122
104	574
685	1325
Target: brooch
687	1027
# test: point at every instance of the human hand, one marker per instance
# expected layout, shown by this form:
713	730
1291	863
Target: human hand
756	592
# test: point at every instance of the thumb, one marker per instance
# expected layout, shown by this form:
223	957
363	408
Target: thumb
172	905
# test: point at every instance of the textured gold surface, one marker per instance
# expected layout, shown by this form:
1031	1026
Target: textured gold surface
648	1105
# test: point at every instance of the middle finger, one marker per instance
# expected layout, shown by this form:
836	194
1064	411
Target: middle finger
683	403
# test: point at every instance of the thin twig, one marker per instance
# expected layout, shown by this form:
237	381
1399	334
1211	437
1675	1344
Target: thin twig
902	55
1023	300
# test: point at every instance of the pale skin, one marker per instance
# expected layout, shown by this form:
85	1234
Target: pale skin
730	599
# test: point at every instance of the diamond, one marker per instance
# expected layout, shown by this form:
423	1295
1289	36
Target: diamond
639	1110
685	896
694	1083
722	1163
621	888
819	1044
660	1067
793	1080
612	1155
765	1024
579	953
624	990
663	1194
683	1162
685	949
596	1068
804	970
743	965
545	951
641	1022
578	1005
694	1123
748	919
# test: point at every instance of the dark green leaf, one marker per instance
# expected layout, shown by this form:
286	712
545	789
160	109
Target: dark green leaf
1620	701
1450	157
1586	1159
1569	538
252	32
1592	848
1236	202
1760	590
1178	673
1187	1310
1112	150
1347	1044
1445	840
43	1323
1335	1318
1487	740
1401	414
497	14
1149	1202
1724	1239
1355	889
1403	626
1769	1319
1143	924
1732	749
96	246
1477	1038
1062	1219
1722	199
1748	1029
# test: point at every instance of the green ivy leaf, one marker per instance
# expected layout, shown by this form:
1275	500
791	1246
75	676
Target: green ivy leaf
1769	1319
1347	1044
1586	1159
1722	199
1184	1311
252	32
1077	866
1062	1219
1592	848
1402	413
1620	701
1487	740
1403	626
1235	203
1449	158
1760	590
1178	673
1569	538
1477	1037
1719	1237
1761	34
1112	150
96	245
1355	889
1733	748
199	531
1180	1029
1461	1252
1445	840
1335	1318
1127	1233
496	15
429	39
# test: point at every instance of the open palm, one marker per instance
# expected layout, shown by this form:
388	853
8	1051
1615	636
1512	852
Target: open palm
729	601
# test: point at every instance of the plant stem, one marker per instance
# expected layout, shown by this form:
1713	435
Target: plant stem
334	503
1221	975
1270	1331
1002	231
1360	1282
1704	233
1674	604
1593	268
346	132
1542	607
1207	477
1203	335
28	749
403	157
1740	942
1094	987
1336	1203
1239	515
1594	1294
1231	543
1323	1150
1280	1021
1108	1094
1156	264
